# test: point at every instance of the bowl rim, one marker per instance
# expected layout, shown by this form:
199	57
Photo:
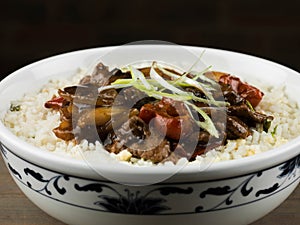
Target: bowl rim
80	168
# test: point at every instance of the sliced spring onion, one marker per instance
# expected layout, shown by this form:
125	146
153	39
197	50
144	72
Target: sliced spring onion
155	87
194	64
207	124
273	133
155	76
203	77
187	80
115	86
160	95
122	81
158	82
200	74
136	74
250	106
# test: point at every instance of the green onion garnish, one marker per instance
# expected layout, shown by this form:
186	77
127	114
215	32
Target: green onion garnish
157	87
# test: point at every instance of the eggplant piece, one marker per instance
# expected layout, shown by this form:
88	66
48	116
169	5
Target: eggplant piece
98	117
66	135
64	130
80	94
88	95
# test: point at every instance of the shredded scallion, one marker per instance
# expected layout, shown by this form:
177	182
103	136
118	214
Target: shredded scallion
158	87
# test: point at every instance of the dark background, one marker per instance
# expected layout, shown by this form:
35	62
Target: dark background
34	29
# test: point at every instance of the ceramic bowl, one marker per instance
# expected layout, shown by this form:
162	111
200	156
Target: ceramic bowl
71	190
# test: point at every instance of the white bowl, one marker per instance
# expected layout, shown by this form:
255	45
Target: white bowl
230	192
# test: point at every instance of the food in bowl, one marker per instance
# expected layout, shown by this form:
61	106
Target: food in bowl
77	192
153	115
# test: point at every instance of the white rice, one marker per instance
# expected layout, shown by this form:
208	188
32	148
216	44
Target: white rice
34	123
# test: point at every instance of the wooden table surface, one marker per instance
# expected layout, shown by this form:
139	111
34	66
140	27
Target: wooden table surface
16	209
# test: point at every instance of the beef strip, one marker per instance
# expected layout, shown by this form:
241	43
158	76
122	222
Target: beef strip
230	95
246	114
100	76
130	97
118	74
134	135
236	128
133	130
88	95
156	154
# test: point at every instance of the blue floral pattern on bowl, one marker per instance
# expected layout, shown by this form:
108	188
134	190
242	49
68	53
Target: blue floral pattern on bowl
157	199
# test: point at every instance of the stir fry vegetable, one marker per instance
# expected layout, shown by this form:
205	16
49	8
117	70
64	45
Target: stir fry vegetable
155	113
